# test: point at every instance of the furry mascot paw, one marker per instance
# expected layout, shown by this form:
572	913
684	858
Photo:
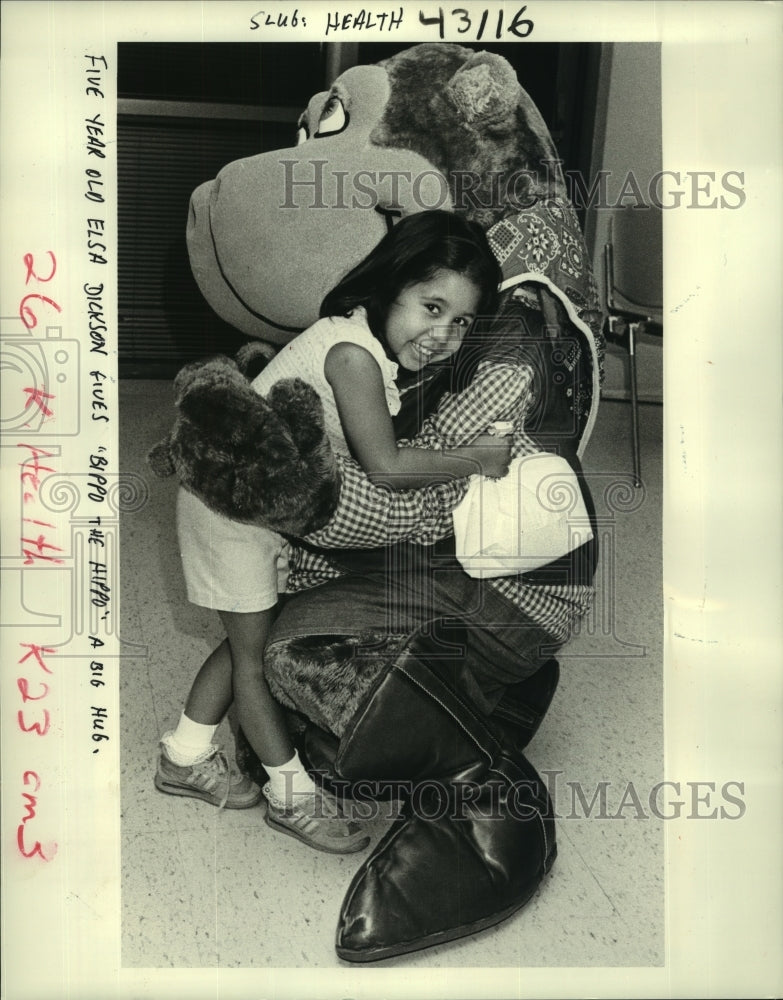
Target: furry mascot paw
250	458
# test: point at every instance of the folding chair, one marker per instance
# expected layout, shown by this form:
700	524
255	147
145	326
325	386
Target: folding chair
633	272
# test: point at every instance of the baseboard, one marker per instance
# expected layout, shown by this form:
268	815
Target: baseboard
624	396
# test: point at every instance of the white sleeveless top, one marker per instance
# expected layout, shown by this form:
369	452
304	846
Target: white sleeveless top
305	356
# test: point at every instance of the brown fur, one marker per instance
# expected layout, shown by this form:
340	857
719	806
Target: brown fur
481	122
328	677
253	459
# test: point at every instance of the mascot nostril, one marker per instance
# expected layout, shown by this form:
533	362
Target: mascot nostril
405	672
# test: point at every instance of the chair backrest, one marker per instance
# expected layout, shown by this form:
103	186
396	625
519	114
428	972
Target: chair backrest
634	261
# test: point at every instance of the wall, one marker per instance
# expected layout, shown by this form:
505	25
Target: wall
627	135
627	140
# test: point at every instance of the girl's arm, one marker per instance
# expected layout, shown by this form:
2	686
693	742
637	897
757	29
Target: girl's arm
358	389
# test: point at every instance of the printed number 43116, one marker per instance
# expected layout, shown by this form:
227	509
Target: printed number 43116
519	26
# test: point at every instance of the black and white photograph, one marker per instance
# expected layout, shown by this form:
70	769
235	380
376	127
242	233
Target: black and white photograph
324	166
448	312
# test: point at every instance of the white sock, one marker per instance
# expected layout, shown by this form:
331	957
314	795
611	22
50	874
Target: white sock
289	779
189	742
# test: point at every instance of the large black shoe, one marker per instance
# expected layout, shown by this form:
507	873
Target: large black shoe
478	860
477	832
523	706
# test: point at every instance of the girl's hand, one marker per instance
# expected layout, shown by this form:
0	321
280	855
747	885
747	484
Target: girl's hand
492	453
359	392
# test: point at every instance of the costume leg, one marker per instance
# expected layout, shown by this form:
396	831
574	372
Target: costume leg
472	805
506	667
329	645
476	835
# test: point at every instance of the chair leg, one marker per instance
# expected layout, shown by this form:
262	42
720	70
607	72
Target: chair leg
637	470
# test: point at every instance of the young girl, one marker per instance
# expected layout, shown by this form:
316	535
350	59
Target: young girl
409	304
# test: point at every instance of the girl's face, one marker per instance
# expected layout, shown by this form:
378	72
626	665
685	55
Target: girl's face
428	320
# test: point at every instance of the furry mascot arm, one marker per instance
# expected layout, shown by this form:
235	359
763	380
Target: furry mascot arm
267	460
255	459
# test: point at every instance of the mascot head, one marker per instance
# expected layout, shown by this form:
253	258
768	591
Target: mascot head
435	126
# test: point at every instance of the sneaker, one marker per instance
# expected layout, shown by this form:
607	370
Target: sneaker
210	779
317	820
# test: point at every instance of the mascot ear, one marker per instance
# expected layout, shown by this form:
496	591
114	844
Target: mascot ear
485	92
215	395
253	357
490	100
161	460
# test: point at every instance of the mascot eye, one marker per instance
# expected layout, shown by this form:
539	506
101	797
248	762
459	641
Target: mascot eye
334	118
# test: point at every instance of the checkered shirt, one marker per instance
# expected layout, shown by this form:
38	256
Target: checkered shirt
370	516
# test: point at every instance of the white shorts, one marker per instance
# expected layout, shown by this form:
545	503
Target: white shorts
228	566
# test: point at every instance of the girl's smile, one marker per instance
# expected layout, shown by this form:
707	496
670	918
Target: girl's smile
428	320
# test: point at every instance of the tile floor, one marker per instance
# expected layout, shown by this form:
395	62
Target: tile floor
207	889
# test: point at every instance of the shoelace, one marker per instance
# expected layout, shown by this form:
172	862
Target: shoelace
324	806
218	763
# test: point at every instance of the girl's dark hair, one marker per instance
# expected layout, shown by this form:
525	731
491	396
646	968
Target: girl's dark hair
411	252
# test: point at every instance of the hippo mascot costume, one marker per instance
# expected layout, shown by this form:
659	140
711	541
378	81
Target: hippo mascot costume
404	671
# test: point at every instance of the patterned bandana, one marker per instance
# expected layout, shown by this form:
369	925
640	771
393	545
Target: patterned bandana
545	240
